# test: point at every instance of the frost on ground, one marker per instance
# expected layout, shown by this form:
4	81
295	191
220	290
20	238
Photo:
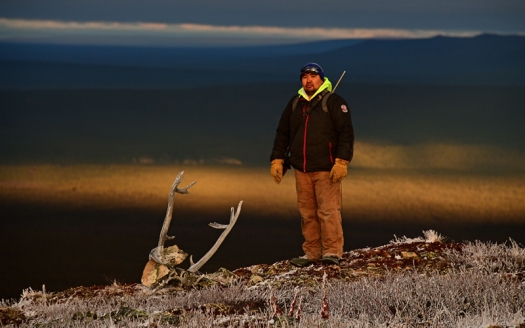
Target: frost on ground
411	282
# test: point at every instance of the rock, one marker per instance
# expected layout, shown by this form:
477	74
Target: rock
225	273
255	279
409	255
153	272
222	276
255	269
173	255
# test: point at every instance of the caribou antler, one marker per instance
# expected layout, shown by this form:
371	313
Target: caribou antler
156	253
227	228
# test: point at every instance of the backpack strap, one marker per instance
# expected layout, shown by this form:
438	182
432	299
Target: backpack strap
295	101
325	100
325	94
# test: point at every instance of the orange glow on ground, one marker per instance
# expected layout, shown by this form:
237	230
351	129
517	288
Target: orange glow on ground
368	194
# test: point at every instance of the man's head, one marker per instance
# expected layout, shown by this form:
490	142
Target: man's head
312	77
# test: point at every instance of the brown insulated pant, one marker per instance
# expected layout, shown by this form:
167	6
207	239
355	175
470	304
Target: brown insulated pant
319	201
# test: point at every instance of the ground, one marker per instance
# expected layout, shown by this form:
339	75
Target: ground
418	255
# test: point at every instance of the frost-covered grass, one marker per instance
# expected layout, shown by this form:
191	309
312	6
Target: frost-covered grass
485	287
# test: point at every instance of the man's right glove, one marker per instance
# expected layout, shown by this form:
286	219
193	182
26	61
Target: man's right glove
339	170
277	170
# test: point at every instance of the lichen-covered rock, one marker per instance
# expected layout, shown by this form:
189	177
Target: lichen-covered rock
153	272
255	279
409	255
173	255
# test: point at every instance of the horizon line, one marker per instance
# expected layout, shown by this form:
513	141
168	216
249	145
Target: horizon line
151	33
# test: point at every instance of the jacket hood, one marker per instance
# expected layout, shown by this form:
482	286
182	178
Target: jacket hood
326	85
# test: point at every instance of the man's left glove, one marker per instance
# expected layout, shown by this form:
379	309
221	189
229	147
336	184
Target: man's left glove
277	170
339	170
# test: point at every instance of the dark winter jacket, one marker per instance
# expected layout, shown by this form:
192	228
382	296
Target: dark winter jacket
318	138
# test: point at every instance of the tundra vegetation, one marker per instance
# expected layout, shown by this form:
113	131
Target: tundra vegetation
410	282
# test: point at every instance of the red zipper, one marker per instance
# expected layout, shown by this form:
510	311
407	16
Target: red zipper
330	146
304	142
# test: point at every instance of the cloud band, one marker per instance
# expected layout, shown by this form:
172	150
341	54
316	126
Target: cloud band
15	29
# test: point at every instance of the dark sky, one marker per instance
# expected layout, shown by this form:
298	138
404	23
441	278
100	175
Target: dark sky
497	15
403	18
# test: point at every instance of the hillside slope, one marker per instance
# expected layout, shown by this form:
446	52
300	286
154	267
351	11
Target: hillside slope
414	281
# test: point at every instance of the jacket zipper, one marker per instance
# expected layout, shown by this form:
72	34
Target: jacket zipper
304	142
330	146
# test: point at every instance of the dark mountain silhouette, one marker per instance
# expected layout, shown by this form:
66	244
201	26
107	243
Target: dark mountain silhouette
485	59
135	56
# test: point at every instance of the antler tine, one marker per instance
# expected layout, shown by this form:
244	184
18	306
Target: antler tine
169	212
155	254
227	228
176	183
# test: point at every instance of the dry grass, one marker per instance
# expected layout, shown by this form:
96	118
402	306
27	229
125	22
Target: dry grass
368	194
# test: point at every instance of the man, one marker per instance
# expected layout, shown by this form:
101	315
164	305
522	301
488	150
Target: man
320	146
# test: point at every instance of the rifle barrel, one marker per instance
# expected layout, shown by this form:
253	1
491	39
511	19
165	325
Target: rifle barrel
333	90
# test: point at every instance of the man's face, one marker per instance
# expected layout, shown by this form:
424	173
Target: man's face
311	82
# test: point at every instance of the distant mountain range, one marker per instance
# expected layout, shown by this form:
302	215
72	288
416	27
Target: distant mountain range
482	60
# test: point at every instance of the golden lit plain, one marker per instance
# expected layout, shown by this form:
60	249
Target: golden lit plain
382	184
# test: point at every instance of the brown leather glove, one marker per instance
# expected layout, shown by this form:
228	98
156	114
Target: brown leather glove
277	170
339	170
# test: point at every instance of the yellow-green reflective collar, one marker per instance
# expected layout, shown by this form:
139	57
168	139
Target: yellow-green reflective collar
326	85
